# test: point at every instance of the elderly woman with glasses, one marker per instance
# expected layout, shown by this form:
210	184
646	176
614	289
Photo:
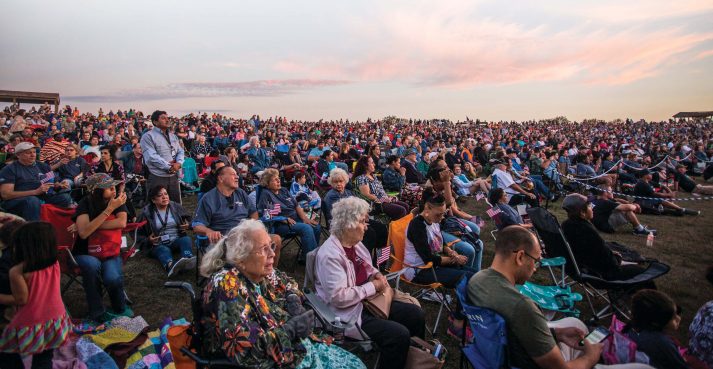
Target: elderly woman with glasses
253	314
345	277
377	233
165	232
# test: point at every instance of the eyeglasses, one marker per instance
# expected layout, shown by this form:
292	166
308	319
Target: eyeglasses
265	251
538	261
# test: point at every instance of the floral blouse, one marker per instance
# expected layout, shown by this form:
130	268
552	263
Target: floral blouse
243	320
374	186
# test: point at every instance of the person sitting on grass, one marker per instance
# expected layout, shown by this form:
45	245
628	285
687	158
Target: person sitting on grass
466	187
611	213
685	183
657	200
165	231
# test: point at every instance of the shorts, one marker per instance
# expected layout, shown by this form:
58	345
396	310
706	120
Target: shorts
617	219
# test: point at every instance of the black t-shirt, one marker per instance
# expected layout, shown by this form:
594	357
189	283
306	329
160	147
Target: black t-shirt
84	207
602	210
684	182
644	189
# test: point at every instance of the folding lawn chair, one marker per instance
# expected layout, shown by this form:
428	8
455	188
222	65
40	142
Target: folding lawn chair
326	316
397	242
611	291
489	347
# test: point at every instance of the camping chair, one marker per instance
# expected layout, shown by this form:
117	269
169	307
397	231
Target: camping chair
326	316
190	175
61	219
611	291
195	350
397	242
488	349
290	236
557	298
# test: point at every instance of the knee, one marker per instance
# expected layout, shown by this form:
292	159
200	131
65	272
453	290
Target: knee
113	281
89	265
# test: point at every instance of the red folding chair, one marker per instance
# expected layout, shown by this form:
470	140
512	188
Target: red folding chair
61	219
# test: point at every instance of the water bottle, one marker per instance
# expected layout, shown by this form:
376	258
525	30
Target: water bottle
650	240
338	330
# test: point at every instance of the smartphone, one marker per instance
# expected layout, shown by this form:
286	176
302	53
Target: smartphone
598	335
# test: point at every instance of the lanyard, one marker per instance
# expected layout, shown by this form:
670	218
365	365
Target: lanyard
164	221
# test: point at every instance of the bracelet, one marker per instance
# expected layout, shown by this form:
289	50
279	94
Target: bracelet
105	213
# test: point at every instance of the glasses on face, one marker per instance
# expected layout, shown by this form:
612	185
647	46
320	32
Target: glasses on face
266	250
538	261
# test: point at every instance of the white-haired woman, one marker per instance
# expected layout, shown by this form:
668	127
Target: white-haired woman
253	313
345	277
377	233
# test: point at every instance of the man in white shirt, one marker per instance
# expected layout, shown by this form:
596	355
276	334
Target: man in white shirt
503	179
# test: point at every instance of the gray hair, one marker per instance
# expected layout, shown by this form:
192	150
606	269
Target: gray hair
231	248
337	173
346	215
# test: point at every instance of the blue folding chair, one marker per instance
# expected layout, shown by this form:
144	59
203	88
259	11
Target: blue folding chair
488	349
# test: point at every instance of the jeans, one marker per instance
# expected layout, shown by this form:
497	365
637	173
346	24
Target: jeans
448	276
28	207
108	272
163	252
540	186
309	234
474	253
394	335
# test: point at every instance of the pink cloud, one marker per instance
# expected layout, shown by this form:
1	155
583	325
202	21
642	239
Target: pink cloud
451	46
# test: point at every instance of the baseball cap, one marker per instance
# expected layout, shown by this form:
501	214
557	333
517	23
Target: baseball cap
100	180
574	202
23	146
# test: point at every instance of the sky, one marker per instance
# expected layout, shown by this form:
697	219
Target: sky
310	60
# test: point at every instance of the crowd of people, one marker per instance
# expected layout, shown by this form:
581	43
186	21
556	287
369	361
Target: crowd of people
260	182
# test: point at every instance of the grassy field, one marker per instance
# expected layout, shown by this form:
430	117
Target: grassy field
683	242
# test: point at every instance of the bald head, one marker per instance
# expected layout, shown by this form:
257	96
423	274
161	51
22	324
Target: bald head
514	238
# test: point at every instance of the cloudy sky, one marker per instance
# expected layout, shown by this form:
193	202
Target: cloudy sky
357	59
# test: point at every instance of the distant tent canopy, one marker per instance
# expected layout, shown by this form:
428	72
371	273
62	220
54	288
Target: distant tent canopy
25	97
694	114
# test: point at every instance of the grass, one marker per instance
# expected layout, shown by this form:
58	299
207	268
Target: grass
684	243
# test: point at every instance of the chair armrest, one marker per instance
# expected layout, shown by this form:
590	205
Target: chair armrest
181	285
428	265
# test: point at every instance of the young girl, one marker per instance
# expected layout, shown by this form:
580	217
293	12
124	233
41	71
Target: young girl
41	323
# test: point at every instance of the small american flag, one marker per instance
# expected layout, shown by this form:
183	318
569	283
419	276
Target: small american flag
479	196
48	178
276	210
384	253
492	212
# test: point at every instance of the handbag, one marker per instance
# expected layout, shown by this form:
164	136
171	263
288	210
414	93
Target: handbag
105	243
379	305
421	354
406	298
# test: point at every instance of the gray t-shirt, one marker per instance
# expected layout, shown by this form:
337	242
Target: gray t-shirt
221	213
528	334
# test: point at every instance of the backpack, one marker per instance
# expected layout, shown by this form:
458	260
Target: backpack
619	348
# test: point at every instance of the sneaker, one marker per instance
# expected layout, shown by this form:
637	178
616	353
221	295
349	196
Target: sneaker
191	263
644	231
691	212
174	267
436	297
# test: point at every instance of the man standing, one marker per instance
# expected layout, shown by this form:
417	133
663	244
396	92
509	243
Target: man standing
164	156
532	341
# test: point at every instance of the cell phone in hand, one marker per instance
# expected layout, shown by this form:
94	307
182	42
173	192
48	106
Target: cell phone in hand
598	335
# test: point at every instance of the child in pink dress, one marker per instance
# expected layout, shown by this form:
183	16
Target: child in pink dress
40	324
